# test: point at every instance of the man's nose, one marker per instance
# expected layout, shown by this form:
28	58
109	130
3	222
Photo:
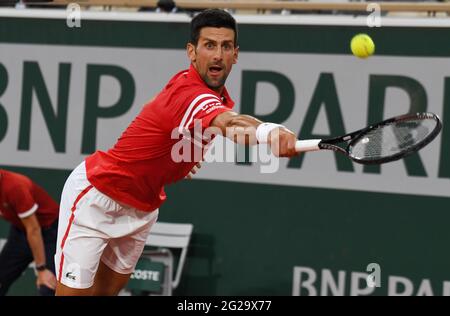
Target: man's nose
218	53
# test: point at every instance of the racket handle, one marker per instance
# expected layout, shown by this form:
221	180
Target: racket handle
307	145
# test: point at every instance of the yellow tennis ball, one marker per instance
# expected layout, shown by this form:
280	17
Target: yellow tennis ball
362	46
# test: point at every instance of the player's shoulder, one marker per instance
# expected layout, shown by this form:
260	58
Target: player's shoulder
187	90
178	79
197	97
199	91
188	82
190	86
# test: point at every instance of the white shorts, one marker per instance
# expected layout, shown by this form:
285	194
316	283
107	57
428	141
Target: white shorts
93	227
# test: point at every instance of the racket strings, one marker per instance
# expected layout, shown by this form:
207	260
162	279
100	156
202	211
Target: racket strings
391	139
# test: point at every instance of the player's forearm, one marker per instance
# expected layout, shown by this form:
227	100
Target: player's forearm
36	244
248	130
242	129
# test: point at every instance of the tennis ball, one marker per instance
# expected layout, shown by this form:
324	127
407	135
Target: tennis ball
362	45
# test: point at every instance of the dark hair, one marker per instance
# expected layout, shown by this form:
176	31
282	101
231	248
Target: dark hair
212	18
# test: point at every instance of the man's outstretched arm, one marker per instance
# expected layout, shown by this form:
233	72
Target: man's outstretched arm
248	130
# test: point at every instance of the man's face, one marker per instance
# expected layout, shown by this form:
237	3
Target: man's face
214	55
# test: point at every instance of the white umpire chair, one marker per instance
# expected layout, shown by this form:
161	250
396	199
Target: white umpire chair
164	238
2	243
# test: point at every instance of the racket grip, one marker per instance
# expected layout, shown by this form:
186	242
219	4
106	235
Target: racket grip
307	145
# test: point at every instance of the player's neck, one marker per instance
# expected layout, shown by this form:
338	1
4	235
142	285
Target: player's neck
218	90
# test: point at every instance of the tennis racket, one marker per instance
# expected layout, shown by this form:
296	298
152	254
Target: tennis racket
386	141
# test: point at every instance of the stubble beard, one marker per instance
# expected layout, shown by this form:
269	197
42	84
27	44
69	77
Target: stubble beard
216	84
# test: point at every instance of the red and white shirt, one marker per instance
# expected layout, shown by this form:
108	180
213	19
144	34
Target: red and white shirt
20	197
136	169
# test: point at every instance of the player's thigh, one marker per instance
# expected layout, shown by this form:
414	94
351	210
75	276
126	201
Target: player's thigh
122	253
108	282
77	262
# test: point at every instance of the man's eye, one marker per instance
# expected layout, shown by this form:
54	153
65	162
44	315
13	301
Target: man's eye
209	45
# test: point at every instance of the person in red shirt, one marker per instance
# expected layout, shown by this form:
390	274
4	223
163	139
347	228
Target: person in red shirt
111	200
33	216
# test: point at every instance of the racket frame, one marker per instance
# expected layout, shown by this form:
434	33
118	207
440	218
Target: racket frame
352	138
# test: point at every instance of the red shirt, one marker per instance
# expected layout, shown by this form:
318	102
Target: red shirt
136	169
20	197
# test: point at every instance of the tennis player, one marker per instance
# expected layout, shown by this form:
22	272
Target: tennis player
110	201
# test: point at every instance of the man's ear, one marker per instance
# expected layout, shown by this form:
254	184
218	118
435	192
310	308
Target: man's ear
190	49
236	55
